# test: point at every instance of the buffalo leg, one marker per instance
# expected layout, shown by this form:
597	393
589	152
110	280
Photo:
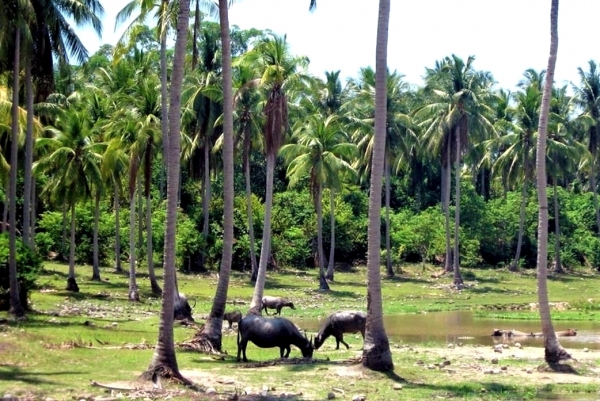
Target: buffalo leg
340	339
242	349
287	351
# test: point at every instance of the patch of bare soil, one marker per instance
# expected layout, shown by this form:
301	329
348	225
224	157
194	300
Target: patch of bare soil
524	363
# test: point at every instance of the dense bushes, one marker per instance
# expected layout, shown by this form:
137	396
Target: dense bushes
29	266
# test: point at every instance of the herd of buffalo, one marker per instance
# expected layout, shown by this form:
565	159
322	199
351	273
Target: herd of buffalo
270	332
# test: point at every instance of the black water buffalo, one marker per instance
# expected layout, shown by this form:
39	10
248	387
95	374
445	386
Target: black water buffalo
267	332
233	317
339	323
275	303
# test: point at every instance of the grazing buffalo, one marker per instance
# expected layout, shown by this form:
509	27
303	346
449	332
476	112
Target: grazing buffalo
275	303
339	323
233	317
267	332
510	333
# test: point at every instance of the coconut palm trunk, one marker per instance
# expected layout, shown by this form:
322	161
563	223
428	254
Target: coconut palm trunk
388	247
27	176
149	247
117	208
458	282
319	206
554	353
446	206
164	96
164	361
16	308
524	195
250	216
331	266
213	328
71	282
134	295
376	351
265	249
96	250
206	196
557	261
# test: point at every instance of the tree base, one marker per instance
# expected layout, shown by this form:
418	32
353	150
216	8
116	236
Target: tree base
556	355
378	357
72	285
165	372
323	285
205	343
134	295
156	290
96	278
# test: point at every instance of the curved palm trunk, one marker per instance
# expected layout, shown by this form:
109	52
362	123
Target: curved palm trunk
446	206
118	267
554	353
96	263
63	250
16	308
164	362
376	351
557	261
213	327
514	265
265	250
331	266
458	282
388	247
27	177
319	206
134	295
149	250
71	282
249	214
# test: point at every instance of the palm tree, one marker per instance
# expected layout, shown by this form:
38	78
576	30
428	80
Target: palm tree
588	99
73	168
212	330
164	362
554	353
376	351
459	110
279	70
322	152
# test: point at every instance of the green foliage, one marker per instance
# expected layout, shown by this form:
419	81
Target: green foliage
421	235
29	267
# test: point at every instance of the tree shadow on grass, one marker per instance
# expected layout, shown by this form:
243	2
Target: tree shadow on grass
11	374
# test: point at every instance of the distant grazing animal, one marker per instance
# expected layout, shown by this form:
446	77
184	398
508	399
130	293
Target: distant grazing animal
233	317
510	333
339	323
267	332
275	303
563	333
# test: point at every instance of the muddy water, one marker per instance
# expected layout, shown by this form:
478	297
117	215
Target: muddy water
455	327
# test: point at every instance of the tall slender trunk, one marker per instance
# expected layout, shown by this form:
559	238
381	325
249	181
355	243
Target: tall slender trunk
71	282
140	226
319	206
331	266
27	177
388	246
96	262
524	195
206	197
117	207
63	249
6	207
149	247
214	322
376	351
164	104
458	282
557	262
164	361
134	295
265	250
33	213
250	216
554	353
195	53
16	308
446	203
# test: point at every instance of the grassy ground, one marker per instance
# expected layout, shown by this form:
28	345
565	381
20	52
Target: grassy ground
96	335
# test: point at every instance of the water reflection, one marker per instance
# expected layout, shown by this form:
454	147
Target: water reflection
455	327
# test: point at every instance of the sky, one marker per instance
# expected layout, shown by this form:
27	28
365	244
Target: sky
506	36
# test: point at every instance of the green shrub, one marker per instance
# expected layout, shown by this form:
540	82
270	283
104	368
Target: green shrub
29	266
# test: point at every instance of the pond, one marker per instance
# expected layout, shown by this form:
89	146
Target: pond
463	327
